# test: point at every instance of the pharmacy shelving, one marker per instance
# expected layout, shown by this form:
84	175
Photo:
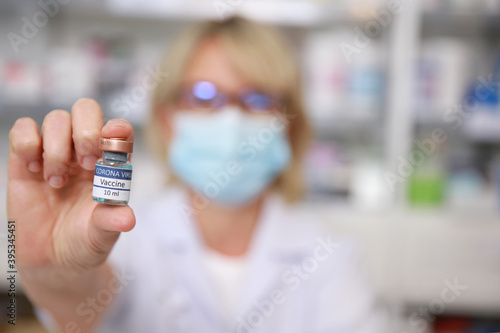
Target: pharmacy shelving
458	238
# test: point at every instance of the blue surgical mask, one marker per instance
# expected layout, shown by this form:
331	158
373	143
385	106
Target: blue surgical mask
228	156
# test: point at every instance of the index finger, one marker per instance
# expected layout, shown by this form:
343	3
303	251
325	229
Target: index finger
87	124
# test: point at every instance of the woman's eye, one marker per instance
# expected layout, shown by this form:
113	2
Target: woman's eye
258	101
202	102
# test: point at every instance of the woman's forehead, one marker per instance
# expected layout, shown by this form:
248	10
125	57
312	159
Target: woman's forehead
211	63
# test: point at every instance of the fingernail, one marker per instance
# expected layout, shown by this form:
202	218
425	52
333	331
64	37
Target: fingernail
35	166
116	122
88	162
56	181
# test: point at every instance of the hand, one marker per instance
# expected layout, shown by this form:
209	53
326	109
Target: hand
49	190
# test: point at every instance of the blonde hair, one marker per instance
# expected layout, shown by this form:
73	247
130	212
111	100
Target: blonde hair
261	56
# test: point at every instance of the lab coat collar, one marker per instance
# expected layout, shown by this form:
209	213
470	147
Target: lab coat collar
279	243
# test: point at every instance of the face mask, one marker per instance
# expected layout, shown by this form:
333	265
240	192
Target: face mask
228	156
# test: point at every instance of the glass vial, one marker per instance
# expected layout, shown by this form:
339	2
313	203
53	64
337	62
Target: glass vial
113	172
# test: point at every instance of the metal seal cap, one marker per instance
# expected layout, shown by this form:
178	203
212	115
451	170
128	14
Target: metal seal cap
115	144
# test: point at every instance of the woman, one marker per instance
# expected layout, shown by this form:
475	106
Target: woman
225	251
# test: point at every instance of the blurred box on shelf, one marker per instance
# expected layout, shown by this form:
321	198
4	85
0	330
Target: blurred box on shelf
340	86
22	83
69	76
483	107
443	70
327	171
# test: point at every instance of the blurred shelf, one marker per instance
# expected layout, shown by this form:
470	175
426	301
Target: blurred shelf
433	117
460	22
10	113
429	117
279	12
476	127
344	126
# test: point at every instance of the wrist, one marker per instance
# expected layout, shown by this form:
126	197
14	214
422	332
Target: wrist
57	279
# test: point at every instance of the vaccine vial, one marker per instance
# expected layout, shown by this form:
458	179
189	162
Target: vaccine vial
113	172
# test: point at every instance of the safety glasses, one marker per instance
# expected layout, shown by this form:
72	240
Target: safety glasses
206	95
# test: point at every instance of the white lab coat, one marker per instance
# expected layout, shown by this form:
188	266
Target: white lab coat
296	281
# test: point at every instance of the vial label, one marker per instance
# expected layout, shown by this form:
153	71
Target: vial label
112	183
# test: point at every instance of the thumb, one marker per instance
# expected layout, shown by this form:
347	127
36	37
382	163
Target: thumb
106	223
